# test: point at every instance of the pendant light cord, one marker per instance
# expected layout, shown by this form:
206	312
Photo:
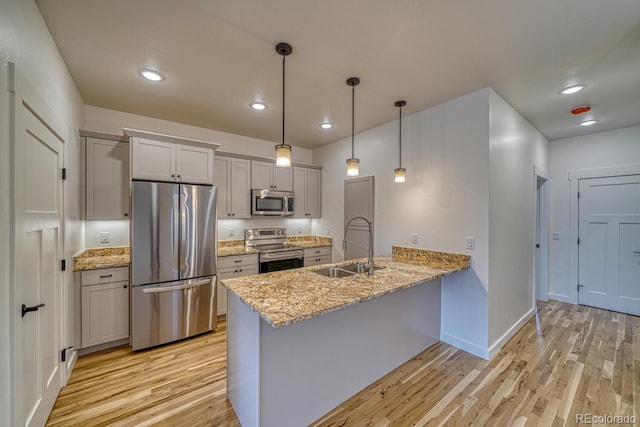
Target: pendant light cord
353	120
400	139
283	59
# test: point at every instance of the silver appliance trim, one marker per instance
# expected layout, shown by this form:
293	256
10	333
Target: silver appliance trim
288	197
276	256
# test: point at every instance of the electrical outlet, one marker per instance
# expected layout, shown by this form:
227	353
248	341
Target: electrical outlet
328	231
232	232
414	238
471	243
299	229
556	236
104	237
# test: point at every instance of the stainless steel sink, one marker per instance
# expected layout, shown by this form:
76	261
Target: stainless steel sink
334	272
345	270
359	267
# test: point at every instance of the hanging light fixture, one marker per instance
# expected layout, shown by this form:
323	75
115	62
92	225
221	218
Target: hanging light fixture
353	164
283	151
400	171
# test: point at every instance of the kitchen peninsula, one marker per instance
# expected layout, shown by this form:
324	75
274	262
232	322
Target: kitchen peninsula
300	343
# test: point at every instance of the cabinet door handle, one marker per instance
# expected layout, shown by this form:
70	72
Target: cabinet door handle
233	214
126	214
237	260
125	286
26	309
173	175
104	276
240	271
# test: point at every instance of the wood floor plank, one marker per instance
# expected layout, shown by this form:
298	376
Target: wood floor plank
567	360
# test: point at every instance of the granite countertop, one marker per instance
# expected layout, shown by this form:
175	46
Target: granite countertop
310	241
290	296
95	258
234	247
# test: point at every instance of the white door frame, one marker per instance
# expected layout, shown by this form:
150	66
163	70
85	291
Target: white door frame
541	234
574	177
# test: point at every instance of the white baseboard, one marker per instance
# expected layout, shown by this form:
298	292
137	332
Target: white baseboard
560	297
500	342
467	346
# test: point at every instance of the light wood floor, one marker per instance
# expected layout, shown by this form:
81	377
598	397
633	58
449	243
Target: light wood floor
566	361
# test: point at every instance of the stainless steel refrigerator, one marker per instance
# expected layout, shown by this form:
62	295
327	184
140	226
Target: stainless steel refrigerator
173	262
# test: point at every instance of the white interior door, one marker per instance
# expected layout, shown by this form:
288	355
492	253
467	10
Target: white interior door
609	243
358	201
37	251
541	249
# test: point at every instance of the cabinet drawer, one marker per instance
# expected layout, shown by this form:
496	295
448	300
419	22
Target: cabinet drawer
234	261
105	275
316	252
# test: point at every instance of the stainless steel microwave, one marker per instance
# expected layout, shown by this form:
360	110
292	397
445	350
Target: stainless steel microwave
270	202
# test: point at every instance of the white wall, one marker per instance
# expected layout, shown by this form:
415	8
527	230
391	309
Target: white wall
445	198
112	122
515	146
25	40
603	149
469	168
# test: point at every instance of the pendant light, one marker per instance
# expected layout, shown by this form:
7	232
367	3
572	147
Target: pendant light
353	164
283	151
400	171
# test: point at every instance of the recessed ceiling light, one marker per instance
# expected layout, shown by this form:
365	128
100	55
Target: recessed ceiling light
152	75
258	105
572	89
588	122
326	125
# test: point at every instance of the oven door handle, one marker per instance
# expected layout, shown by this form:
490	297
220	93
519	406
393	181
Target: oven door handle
280	256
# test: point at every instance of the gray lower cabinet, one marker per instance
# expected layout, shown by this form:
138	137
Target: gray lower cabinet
105	305
230	267
317	256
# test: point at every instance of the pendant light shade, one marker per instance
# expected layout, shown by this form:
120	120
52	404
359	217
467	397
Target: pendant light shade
283	151
400	172
353	164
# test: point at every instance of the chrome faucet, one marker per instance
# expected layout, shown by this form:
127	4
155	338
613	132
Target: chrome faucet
348	227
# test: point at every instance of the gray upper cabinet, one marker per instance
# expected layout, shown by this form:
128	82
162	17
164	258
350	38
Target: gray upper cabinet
166	161
307	184
232	178
107	179
267	176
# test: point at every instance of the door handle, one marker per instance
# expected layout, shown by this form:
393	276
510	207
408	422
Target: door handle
176	288
26	309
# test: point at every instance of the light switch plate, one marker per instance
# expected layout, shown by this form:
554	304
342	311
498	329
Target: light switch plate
471	243
414	238
299	229
231	232
104	237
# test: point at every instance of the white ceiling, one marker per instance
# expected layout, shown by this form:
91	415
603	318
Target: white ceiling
218	56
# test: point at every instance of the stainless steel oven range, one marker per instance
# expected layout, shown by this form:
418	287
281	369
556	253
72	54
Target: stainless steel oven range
275	253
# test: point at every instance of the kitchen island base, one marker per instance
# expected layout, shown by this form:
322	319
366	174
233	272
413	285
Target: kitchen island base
293	375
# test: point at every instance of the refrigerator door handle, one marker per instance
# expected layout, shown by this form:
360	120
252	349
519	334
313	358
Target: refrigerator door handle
176	230
176	288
